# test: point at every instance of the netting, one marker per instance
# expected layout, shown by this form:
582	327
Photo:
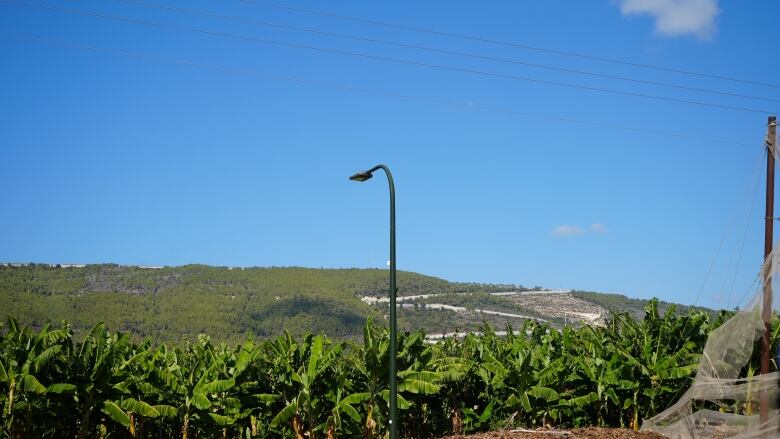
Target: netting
724	400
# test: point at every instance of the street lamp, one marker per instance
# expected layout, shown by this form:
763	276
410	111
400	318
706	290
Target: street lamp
363	176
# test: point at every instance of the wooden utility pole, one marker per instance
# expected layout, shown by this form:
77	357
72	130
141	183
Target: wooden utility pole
768	233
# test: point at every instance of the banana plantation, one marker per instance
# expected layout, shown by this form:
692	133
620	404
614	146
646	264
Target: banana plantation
107	385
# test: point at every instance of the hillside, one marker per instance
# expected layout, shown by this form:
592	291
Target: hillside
169	303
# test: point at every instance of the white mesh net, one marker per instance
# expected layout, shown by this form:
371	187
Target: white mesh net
726	396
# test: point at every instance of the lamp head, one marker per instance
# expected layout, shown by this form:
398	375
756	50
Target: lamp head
361	176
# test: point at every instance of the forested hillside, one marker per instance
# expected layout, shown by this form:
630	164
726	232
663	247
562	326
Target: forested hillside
171	303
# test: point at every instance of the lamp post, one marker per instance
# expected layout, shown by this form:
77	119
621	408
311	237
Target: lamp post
363	176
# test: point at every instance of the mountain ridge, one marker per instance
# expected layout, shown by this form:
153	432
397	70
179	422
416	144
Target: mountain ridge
229	303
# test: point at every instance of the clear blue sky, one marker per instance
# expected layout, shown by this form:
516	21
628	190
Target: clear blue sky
113	158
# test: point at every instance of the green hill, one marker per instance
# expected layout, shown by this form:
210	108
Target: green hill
173	302
169	303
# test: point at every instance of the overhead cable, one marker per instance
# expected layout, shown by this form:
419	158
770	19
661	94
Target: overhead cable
371	91
508	43
384	58
438	50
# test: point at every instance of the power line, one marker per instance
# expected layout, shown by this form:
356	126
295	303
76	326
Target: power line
507	43
756	173
387	59
750	288
747	225
437	50
350	88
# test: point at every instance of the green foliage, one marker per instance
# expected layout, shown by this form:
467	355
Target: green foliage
172	303
108	385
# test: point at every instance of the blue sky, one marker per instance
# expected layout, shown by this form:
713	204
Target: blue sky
111	157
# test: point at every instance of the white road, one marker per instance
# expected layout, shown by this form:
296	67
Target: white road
372	300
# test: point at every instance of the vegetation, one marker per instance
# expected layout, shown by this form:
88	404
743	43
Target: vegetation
442	321
619	304
173	303
105	384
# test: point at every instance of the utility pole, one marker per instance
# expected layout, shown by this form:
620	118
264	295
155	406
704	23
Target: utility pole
768	234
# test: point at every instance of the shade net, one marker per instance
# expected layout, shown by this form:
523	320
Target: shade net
725	399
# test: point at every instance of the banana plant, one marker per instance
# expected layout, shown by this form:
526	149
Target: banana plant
94	367
135	399
188	379
25	358
659	355
305	405
456	373
370	375
341	406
